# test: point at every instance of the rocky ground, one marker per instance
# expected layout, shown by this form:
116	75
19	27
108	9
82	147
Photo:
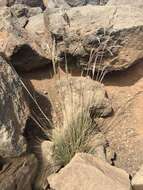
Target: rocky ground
58	59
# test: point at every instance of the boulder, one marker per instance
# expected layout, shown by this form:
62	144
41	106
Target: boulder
88	172
18	173
13	112
137	181
25	51
98	37
126	2
73	91
35	25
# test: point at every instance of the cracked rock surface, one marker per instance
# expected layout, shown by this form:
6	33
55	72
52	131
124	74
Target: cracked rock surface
113	34
13	112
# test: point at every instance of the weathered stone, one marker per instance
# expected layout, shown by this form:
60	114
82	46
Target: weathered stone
21	10
31	3
46	167
34	11
88	172
137	181
73	91
74	3
19	173
25	51
36	25
13	112
98	37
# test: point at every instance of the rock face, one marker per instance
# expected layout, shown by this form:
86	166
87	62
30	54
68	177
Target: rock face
18	174
88	172
109	38
13	113
137	181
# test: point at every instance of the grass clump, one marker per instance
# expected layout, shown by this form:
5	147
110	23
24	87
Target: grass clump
74	138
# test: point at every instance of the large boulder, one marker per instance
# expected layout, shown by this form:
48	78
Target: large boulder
25	51
88	172
98	37
13	112
18	173
80	94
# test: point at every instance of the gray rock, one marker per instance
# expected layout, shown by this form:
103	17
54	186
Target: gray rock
73	3
114	35
13	112
31	3
21	10
34	11
18	173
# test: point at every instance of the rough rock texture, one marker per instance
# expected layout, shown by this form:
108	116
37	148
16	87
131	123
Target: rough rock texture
75	91
32	3
35	25
18	174
88	172
137	181
102	37
13	112
26	52
124	130
46	167
74	3
21	10
126	2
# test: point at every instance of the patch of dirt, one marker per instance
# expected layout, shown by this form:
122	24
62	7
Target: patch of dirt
124	130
